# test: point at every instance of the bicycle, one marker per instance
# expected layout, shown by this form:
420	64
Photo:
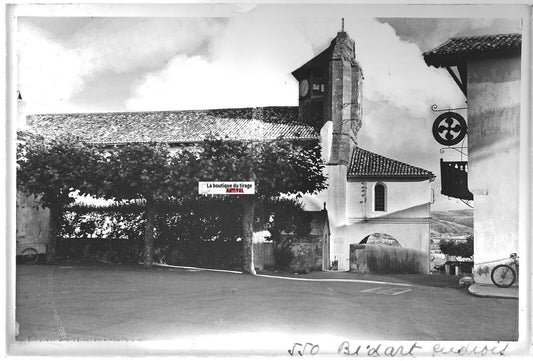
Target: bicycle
504	275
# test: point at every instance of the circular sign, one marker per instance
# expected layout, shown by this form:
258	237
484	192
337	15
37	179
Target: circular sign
449	128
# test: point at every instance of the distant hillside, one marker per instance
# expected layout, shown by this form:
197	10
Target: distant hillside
452	223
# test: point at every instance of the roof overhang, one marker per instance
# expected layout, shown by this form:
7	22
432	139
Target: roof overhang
438	60
316	64
456	64
456	53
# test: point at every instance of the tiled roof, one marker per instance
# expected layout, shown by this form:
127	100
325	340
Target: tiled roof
368	164
459	48
265	123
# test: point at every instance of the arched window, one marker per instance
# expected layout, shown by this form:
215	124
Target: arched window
380	193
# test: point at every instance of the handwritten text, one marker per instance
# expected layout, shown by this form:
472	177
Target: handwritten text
376	351
476	350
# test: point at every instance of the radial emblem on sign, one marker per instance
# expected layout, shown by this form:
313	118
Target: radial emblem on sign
449	128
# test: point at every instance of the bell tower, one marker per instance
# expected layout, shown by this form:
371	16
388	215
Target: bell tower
330	97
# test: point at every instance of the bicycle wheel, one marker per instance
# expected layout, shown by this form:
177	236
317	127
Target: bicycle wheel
503	276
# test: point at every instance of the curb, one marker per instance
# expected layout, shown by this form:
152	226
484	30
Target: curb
478	293
195	268
342	280
336	280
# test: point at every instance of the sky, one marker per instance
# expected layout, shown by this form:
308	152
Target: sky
102	64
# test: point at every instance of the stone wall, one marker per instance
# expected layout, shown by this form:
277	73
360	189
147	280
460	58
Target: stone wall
307	255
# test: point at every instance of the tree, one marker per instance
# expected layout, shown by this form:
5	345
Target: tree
277	167
459	249
148	172
51	170
285	217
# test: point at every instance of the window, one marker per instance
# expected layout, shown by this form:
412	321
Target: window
318	88
379	197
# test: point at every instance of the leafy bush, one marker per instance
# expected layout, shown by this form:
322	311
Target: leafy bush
459	249
285	217
119	251
200	231
283	255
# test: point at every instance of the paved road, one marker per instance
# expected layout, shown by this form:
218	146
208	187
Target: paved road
100	302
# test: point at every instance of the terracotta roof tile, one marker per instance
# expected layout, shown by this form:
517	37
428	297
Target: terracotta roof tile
175	126
458	49
368	164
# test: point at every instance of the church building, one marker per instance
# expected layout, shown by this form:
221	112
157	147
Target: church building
369	196
368	193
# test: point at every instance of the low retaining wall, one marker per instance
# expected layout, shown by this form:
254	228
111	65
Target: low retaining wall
307	257
371	258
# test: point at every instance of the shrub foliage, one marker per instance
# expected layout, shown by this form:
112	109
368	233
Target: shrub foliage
459	249
200	231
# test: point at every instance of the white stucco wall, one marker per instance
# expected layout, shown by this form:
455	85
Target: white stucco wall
493	139
326	139
407	216
405	198
335	198
21	115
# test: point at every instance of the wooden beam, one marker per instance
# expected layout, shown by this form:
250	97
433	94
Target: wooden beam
461	85
462	73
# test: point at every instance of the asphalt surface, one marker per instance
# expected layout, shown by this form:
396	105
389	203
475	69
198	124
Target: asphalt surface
105	302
